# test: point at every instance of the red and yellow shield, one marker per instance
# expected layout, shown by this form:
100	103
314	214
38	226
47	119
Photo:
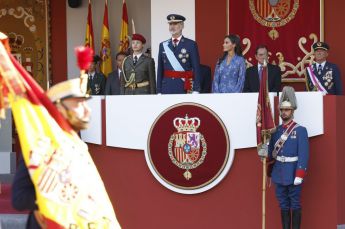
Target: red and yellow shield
188	148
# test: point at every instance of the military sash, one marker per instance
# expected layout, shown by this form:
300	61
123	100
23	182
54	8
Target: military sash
179	71
315	81
280	143
172	58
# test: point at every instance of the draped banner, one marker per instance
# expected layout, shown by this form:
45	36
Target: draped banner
287	27
26	25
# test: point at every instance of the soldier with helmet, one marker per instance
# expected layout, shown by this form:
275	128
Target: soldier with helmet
322	75
289	148
70	99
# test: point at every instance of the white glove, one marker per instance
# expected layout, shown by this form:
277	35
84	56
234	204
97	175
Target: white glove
298	181
195	92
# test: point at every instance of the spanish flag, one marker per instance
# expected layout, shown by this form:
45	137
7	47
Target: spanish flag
124	42
89	41
69	190
105	48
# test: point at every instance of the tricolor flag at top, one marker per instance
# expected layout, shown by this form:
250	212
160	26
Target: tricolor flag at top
89	38
124	42
264	117
105	48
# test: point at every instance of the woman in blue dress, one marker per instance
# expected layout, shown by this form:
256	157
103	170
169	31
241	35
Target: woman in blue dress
230	71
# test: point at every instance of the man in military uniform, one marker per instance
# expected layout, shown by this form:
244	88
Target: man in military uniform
96	81
323	76
289	148
178	61
70	99
138	74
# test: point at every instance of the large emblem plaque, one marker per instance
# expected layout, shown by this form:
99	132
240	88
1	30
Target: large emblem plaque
188	148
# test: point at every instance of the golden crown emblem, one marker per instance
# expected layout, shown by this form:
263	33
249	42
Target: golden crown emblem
16	41
186	124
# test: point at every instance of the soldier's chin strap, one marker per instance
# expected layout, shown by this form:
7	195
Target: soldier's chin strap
72	118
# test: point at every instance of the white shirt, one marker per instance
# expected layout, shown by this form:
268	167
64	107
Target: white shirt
179	38
138	56
259	66
119	73
91	75
322	64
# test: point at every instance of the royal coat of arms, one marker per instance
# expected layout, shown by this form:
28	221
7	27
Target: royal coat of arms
273	13
187	148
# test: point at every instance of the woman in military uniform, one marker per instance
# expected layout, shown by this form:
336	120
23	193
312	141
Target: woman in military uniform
138	70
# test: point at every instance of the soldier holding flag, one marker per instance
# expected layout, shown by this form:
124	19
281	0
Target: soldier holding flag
58	180
289	148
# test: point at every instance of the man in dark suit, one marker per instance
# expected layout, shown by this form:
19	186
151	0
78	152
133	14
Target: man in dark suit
323	76
112	86
253	74
138	74
96	80
70	99
178	61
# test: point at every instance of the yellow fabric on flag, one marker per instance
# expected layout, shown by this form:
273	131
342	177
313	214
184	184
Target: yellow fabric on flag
69	190
106	67
124	42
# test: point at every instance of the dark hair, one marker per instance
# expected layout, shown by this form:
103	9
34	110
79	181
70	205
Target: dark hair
121	54
235	39
96	59
261	46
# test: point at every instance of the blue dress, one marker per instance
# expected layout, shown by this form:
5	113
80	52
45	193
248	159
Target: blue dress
229	78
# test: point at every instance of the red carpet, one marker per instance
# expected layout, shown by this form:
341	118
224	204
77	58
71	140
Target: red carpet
5	201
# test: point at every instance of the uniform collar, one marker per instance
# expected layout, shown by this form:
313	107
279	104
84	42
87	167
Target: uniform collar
322	64
138	55
179	39
285	126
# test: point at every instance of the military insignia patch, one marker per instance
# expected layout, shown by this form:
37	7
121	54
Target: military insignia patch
188	148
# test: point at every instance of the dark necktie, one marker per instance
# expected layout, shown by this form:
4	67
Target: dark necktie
135	60
319	69
260	72
175	42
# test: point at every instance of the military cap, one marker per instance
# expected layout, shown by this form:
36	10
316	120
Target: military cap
138	37
74	88
320	45
175	18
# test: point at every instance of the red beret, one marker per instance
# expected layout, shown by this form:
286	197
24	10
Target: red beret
138	37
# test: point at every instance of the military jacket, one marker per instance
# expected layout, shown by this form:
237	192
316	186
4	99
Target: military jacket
187	55
329	78
296	145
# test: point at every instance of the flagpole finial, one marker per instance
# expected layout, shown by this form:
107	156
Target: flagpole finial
133	27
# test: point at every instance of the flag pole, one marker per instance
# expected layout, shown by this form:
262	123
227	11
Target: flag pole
264	174
133	27
264	181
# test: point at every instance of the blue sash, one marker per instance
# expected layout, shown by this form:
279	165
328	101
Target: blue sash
172	58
